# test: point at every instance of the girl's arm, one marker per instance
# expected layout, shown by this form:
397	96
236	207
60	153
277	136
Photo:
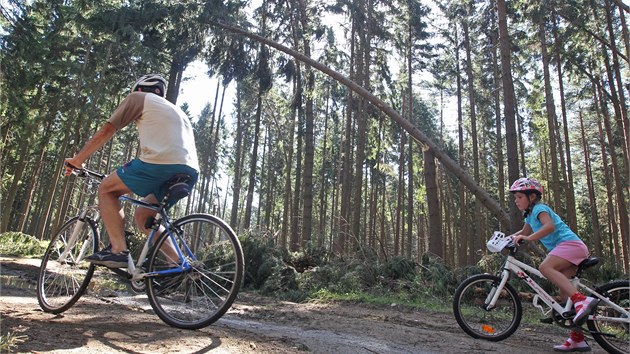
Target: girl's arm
523	234
545	230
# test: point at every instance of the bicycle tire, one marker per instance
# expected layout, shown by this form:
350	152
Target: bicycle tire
495	324
200	296
614	337
61	284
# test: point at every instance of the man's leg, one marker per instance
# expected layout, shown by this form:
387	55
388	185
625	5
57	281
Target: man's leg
111	210
141	216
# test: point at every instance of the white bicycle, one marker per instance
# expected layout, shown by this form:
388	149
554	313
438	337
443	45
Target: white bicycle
486	306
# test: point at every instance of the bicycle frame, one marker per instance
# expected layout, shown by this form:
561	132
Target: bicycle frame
162	219
522	271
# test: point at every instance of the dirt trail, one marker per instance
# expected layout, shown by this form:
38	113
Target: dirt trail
255	324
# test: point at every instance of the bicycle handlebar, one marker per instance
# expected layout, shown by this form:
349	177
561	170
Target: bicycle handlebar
84	172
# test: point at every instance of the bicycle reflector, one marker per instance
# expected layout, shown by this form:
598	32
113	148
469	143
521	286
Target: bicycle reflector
488	329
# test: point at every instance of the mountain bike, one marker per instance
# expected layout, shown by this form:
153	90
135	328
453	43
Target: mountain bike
192	291
486	306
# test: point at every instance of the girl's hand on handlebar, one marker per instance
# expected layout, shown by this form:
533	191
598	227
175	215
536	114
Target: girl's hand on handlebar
519	239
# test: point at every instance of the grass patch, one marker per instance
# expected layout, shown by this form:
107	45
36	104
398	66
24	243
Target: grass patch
372	298
22	245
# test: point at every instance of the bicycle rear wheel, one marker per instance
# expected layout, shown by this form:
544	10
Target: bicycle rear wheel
200	296
613	336
471	312
64	274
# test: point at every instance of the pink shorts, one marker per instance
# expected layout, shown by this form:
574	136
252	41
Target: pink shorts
573	251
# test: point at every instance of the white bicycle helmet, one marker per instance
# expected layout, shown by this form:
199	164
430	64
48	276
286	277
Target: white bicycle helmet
151	83
526	185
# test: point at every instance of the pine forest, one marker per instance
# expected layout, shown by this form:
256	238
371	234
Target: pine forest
392	128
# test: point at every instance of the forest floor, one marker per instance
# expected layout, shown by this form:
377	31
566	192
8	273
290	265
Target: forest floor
125	323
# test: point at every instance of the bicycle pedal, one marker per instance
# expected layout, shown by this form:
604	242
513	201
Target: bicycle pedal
548	320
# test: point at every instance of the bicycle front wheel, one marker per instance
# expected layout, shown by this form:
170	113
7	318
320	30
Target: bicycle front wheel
198	297
64	274
476	317
609	327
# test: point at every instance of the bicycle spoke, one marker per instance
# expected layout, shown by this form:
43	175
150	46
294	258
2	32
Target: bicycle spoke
209	287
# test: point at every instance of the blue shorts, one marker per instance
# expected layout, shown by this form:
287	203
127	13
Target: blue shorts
145	178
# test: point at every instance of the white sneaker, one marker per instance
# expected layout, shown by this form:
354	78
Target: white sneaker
571	346
583	309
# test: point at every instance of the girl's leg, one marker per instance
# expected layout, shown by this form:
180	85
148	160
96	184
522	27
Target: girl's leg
558	271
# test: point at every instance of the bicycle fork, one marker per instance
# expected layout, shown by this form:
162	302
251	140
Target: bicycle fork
73	240
493	295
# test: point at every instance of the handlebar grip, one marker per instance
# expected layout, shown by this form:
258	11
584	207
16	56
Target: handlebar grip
77	171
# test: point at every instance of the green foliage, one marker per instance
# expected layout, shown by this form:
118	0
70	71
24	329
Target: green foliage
436	278
281	277
261	259
398	268
311	275
22	245
604	272
489	263
308	258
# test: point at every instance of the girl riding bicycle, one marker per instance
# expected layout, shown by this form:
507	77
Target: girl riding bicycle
566	251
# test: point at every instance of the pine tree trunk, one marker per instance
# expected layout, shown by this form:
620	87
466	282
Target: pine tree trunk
433	204
613	228
621	113
253	164
497	117
554	197
23	160
287	211
509	109
619	185
597	236
473	241
294	241
569	191
465	244
398	232
309	139
236	187
410	202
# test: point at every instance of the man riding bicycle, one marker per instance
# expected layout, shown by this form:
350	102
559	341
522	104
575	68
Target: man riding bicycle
167	148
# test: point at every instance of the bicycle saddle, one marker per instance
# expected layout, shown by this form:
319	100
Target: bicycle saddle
178	187
585	264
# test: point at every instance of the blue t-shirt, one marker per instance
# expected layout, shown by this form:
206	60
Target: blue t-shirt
562	232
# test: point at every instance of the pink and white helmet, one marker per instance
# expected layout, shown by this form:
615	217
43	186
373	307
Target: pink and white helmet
526	185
